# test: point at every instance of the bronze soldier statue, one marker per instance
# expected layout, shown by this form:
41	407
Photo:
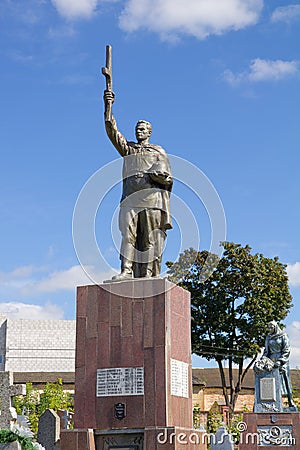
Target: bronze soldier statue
145	204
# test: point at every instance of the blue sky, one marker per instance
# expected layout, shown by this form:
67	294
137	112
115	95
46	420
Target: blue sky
219	81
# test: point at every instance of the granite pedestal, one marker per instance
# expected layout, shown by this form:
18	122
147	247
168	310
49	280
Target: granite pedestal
133	376
270	431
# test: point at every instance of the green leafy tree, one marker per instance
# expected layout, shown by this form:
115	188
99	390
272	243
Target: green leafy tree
28	404
34	403
233	299
214	420
55	397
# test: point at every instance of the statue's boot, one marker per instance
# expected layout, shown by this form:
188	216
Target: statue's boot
126	271
122	276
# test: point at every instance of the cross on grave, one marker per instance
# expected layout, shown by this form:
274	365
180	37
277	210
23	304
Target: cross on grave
8	390
65	418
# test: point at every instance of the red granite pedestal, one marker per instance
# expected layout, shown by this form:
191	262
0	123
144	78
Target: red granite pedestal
271	431
144	324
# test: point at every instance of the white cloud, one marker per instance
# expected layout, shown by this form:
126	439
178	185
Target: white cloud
18	310
16	277
198	18
30	280
67	279
234	79
286	13
293	332
293	271
75	9
263	70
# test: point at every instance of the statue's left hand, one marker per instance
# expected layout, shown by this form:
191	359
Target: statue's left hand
162	178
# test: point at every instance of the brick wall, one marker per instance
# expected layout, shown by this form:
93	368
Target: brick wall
244	400
205	398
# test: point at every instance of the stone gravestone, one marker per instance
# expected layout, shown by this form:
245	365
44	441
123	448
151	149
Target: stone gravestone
49	430
222	440
7	391
268	392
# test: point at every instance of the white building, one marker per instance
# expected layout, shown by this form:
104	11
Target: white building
37	345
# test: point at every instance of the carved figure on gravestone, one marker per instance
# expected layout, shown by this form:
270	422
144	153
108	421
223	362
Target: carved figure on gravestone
144	214
264	365
276	355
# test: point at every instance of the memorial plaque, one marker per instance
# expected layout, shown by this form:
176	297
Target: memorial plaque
120	381
120	411
267	390
179	378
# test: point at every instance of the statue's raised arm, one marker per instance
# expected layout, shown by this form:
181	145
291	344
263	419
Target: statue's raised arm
147	182
117	139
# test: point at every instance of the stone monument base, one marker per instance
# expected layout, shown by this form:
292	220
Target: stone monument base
270	431
77	440
133	371
156	438
136	330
